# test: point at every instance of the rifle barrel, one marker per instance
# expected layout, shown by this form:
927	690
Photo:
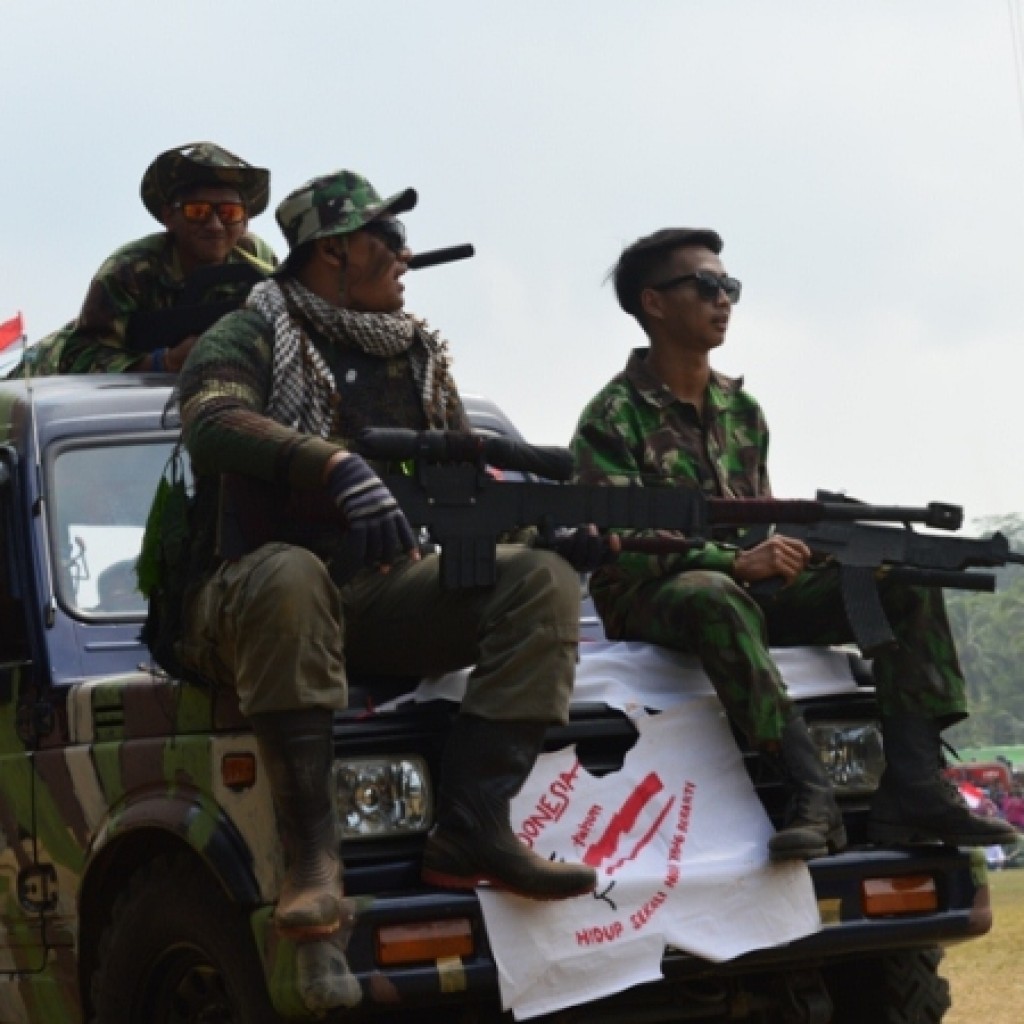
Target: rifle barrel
747	511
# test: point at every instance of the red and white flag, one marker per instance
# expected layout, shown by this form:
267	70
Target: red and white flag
11	331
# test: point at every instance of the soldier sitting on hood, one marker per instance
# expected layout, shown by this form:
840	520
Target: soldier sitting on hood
201	266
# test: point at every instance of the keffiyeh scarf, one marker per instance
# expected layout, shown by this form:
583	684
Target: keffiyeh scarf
303	387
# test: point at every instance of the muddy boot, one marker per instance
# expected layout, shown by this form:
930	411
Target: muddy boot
322	975
484	766
814	824
297	750
914	803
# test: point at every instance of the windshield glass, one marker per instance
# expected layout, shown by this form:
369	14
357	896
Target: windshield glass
100	499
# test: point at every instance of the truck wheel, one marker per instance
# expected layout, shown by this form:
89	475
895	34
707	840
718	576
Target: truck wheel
900	988
177	952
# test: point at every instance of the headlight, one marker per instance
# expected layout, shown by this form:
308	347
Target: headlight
852	754
379	797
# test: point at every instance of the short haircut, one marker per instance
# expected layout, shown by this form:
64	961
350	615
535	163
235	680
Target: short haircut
645	262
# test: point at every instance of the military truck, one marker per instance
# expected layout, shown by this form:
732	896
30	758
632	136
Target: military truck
138	859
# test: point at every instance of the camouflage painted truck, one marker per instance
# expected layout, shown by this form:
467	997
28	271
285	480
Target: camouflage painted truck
138	858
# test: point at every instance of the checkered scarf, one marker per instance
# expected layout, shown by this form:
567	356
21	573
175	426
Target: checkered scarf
303	387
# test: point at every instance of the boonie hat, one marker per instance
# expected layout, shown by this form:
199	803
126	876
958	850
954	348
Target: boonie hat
335	204
203	163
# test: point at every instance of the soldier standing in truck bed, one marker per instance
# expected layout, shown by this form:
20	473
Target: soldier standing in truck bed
204	197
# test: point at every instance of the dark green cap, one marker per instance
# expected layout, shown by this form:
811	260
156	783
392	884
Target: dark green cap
203	163
335	204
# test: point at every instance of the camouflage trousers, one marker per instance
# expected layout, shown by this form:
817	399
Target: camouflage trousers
730	629
274	626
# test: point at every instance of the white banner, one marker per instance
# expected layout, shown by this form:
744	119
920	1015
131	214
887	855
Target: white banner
678	837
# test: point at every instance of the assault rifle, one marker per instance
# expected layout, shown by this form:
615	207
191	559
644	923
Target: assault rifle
450	490
149	330
865	553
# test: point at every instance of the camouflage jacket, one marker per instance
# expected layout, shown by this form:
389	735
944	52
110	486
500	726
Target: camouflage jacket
143	276
635	431
269	477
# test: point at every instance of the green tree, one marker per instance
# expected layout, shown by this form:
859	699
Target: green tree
989	631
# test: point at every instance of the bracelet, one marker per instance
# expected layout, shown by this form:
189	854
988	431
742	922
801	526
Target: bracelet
160	360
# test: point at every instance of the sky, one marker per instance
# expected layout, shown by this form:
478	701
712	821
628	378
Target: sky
863	162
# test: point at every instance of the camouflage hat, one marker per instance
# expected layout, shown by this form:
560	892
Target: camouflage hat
335	204
203	163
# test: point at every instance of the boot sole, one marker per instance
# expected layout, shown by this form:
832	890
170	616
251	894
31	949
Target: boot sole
882	834
464	882
307	932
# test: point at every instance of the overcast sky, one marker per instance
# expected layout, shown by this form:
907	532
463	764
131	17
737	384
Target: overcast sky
864	163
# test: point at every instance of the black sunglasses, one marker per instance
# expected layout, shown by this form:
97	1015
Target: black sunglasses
389	231
708	285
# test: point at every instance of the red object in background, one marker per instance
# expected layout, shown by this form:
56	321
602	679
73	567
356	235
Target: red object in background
974	796
11	331
981	773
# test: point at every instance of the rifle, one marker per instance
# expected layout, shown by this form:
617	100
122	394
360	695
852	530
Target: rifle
865	552
450	491
148	330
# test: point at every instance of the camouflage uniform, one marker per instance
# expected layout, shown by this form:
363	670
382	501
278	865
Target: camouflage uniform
636	431
143	276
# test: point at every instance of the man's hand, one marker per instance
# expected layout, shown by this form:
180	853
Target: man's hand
175	357
378	531
583	547
777	556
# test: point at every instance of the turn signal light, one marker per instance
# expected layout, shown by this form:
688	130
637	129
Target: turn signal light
238	770
905	894
424	941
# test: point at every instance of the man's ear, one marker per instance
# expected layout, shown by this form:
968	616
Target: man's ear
650	303
166	215
333	248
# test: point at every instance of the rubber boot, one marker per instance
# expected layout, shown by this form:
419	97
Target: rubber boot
484	766
813	824
914	803
296	748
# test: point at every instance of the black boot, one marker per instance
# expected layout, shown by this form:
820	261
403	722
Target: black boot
814	823
297	750
914	803
484	766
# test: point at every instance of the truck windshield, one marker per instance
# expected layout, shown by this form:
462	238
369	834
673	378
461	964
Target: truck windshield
100	499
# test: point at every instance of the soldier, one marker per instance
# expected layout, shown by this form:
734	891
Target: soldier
269	399
204	196
668	419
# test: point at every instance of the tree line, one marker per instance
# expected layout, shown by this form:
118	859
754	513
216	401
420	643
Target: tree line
989	631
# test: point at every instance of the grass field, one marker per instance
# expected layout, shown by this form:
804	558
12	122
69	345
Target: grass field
986	976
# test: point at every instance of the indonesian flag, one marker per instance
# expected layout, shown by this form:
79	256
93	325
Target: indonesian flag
11	331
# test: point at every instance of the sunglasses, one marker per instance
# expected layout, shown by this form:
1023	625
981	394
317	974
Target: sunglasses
389	231
708	285
199	211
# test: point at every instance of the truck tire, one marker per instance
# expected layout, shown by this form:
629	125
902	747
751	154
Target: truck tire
899	988
176	951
